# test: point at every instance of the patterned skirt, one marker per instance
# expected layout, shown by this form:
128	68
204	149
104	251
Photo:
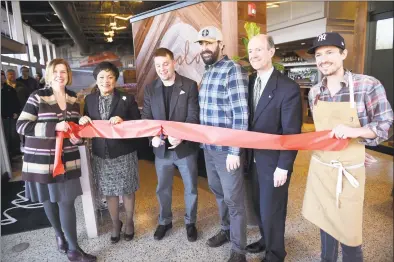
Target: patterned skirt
116	176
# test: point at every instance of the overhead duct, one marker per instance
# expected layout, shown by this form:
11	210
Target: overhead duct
70	22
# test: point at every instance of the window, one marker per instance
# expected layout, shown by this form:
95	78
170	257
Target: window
384	34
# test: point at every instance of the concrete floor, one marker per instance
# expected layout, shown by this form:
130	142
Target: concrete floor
302	238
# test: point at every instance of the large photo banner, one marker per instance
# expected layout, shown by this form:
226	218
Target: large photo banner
176	30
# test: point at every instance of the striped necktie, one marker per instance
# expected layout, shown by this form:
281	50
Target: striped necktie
256	92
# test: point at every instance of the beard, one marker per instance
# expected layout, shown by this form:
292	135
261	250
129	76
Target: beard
330	71
212	58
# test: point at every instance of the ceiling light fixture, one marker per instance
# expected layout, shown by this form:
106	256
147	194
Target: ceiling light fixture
124	18
272	6
119	28
109	33
275	4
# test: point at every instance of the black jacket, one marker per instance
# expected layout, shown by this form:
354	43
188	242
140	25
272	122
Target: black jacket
30	83
183	108
9	101
124	106
278	112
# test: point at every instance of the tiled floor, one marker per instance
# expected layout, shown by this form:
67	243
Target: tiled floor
302	238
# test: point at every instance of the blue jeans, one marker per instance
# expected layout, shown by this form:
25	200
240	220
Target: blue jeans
229	190
165	168
329	250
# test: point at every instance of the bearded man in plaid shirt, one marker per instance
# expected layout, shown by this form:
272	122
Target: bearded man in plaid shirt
223	99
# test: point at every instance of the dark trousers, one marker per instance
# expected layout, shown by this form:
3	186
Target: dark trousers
270	204
329	250
11	136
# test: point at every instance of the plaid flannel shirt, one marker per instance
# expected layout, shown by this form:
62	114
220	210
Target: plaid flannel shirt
223	99
374	110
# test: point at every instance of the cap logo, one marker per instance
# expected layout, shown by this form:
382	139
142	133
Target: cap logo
205	32
342	43
322	37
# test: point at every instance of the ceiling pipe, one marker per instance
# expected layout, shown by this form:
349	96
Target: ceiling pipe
70	22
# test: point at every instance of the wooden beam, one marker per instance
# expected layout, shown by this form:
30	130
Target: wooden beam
230	28
360	29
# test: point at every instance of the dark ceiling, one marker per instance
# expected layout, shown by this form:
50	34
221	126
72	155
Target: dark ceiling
93	18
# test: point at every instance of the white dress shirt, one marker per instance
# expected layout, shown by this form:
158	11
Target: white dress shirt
263	78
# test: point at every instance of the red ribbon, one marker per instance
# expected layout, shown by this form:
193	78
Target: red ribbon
197	133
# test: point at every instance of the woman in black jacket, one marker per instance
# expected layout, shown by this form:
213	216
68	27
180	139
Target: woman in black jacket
114	161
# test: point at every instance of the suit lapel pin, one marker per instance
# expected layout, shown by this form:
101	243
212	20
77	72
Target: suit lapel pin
269	96
124	98
182	92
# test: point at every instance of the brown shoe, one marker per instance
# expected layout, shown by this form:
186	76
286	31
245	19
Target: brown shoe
219	239
80	256
62	244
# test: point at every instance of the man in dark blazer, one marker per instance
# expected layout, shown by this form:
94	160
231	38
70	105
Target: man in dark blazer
173	97
275	105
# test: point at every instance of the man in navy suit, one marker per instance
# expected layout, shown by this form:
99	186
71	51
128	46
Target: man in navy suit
275	108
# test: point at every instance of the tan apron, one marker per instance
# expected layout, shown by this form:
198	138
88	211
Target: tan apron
334	194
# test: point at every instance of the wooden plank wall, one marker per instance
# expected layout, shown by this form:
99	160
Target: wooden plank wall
350	20
177	30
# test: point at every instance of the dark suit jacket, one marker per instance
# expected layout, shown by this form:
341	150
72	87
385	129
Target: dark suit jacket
9	102
278	112
183	108
124	106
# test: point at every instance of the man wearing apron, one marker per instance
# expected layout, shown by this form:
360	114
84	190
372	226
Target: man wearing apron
354	107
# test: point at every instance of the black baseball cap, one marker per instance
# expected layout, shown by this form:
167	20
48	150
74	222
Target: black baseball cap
327	39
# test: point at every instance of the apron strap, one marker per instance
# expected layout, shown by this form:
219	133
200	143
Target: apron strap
342	170
351	89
